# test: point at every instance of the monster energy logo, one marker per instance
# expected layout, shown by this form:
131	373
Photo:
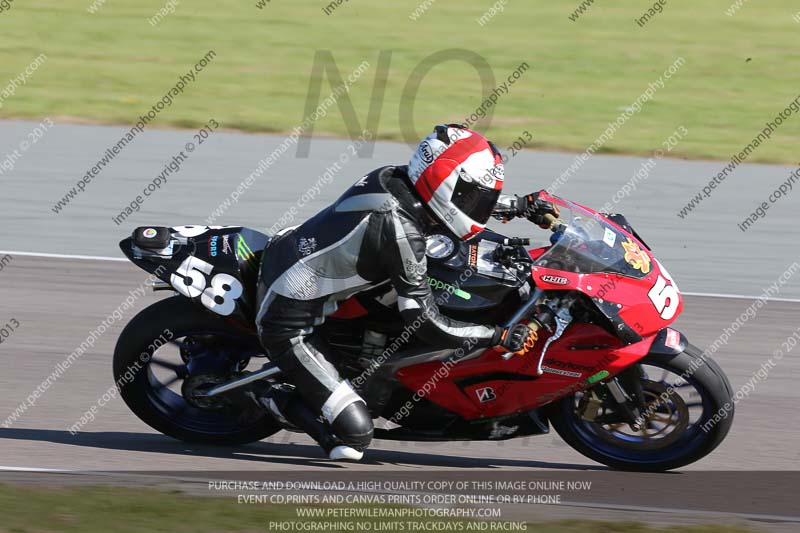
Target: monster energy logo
243	251
441	285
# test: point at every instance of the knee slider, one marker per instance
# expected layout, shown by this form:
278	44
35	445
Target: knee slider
354	425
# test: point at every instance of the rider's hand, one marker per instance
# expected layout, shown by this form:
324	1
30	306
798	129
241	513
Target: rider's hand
534	208
518	339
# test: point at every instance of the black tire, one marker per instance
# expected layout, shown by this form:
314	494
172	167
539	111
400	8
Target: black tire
181	317
691	446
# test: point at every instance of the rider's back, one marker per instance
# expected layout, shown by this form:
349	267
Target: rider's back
339	251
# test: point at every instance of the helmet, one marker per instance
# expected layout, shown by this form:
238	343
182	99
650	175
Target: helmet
459	175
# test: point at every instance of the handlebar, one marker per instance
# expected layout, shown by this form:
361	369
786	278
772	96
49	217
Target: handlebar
517	241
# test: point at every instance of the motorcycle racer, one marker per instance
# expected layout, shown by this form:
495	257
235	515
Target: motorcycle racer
374	234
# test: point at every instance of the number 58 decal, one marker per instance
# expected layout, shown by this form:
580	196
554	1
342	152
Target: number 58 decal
190	280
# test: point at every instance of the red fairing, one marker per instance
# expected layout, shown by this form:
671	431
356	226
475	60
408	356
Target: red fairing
535	254
489	385
648	304
569	362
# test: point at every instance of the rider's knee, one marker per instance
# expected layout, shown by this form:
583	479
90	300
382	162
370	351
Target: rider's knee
354	425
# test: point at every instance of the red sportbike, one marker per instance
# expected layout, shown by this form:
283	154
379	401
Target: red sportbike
608	372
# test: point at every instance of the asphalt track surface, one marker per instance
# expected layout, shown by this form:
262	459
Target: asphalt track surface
57	301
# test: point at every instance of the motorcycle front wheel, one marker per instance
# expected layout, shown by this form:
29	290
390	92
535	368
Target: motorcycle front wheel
689	411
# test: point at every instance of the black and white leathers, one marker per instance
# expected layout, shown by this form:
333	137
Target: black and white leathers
373	234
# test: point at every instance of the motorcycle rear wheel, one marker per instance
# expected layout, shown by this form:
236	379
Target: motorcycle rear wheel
137	364
686	442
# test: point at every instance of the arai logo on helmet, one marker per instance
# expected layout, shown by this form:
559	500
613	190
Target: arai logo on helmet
426	152
555	280
149	233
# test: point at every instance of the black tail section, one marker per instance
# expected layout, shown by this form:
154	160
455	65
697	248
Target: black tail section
215	266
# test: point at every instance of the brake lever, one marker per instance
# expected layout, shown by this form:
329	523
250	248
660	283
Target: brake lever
556	224
504	214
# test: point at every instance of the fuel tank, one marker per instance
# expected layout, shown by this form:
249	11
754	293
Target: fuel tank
466	279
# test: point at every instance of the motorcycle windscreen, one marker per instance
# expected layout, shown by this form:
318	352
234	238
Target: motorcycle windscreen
591	245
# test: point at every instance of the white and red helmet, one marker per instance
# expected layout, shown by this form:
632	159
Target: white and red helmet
459	174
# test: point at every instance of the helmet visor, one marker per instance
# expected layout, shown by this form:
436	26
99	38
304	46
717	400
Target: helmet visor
474	200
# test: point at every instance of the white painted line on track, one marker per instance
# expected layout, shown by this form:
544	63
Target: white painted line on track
739	297
123	259
64	256
30	469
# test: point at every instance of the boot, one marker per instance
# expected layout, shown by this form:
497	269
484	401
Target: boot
287	406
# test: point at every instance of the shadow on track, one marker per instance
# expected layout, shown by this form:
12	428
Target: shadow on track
266	452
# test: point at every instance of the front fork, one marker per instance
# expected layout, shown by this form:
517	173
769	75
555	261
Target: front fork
626	391
626	387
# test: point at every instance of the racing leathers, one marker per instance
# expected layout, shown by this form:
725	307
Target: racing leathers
372	235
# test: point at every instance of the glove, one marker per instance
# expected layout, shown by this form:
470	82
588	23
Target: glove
534	209
518	339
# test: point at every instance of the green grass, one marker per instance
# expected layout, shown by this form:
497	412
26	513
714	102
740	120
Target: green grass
104	509
112	66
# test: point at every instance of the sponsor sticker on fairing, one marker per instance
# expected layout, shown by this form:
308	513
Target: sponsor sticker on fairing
610	238
486	394
635	256
555	280
226	244
673	339
551	370
473	255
